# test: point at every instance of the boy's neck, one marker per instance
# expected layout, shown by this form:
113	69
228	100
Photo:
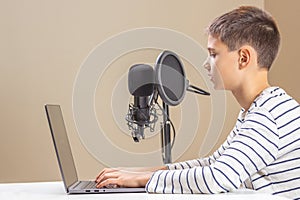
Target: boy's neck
249	91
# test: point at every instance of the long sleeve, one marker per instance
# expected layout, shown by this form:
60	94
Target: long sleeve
254	146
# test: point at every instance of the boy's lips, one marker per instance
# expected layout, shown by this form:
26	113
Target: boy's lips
210	77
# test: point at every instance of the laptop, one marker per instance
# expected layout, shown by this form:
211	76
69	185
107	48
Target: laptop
66	161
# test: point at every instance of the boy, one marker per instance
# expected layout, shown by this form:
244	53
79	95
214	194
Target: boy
262	152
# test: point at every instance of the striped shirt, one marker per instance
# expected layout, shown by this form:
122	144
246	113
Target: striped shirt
262	153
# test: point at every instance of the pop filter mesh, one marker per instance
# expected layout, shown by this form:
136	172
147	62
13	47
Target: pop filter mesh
171	78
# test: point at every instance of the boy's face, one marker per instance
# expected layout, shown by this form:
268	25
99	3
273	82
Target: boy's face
222	65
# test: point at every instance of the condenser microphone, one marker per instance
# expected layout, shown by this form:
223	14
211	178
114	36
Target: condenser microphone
166	80
141	114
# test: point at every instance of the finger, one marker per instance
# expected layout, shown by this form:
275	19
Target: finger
104	171
101	172
106	176
111	186
108	183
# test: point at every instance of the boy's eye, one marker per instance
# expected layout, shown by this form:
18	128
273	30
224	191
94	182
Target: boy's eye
212	55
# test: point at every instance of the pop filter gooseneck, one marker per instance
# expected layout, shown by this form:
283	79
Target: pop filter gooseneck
197	90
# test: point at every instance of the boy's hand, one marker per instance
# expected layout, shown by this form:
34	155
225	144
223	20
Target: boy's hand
119	177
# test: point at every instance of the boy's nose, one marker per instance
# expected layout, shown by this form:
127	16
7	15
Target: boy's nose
206	65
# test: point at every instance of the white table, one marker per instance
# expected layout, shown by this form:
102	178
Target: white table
55	190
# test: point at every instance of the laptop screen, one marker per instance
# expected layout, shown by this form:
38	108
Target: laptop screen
61	143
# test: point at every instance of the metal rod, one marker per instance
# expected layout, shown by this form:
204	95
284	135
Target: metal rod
166	136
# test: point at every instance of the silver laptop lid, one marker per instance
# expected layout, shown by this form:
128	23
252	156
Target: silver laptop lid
61	144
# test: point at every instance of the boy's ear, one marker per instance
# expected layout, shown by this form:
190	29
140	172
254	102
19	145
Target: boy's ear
244	57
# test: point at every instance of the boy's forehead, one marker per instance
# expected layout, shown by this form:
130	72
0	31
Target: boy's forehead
214	42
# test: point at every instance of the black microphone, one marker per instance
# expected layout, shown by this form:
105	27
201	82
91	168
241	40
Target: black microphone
141	114
146	84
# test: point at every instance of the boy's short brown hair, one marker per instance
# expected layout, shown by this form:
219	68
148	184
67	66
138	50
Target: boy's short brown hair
248	25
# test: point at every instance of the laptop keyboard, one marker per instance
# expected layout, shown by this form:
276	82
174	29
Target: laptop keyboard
87	185
91	184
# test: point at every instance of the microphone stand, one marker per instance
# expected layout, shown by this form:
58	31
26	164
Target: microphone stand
166	136
165	127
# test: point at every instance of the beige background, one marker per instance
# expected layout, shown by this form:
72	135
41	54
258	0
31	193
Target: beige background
43	44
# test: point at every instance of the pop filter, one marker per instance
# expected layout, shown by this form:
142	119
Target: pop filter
170	78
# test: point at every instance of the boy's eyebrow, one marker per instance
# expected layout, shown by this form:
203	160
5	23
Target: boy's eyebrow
210	49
